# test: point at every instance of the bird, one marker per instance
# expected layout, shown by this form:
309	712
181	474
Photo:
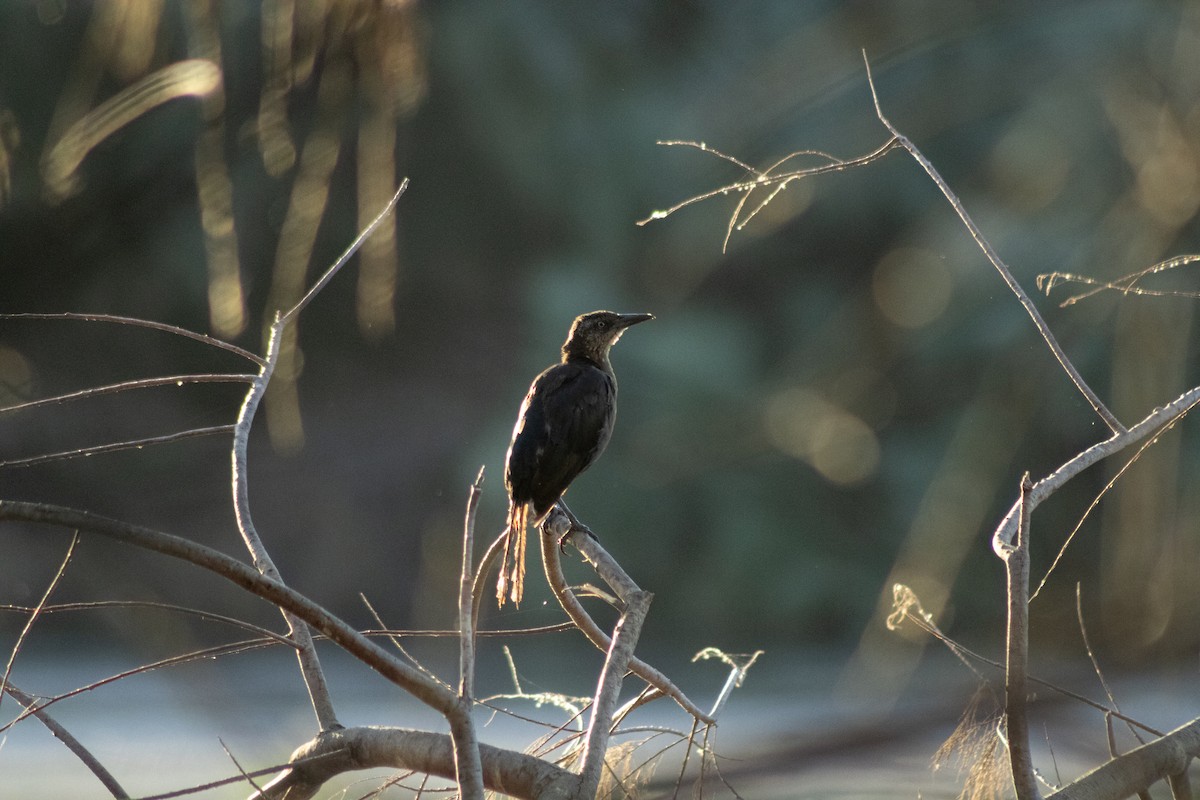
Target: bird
564	424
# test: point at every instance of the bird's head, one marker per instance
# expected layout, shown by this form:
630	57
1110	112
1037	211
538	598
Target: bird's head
592	334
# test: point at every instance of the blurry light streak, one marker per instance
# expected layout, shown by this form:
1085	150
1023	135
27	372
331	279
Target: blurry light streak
378	259
226	295
274	141
944	529
194	77
297	238
10	140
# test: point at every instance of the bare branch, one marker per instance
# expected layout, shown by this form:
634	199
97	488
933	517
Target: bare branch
345	257
143	323
994	258
1125	775
1164	415
420	686
1062	550
114	447
74	745
624	640
468	767
141	383
36	612
306	653
466	613
1016	565
597	556
335	752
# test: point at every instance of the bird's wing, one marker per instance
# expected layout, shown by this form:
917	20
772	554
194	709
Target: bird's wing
564	425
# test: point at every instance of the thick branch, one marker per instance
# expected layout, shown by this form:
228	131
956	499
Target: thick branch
336	752
608	690
1126	775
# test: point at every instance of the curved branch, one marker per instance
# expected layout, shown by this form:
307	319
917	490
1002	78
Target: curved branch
1007	529
611	572
408	678
306	651
335	752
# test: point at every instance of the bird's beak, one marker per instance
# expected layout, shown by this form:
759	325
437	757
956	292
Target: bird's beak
633	319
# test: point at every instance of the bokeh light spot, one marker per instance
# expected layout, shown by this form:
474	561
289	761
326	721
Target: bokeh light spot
912	287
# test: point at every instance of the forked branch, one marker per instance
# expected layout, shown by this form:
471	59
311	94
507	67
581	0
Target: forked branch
310	665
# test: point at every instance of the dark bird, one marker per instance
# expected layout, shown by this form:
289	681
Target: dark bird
564	425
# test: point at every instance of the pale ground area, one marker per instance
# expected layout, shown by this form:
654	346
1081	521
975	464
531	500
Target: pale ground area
790	733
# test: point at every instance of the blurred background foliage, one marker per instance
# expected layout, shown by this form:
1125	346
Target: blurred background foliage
844	399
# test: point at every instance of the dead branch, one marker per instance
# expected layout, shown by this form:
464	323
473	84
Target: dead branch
625	637
310	664
1016	565
558	527
74	745
994	259
1123	776
332	753
1159	417
409	678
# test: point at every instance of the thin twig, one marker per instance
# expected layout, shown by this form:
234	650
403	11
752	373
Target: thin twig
206	653
344	257
114	447
141	383
994	258
209	616
36	612
143	323
963	653
1126	284
1091	654
245	775
74	745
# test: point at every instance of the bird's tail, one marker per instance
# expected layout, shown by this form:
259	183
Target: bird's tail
512	569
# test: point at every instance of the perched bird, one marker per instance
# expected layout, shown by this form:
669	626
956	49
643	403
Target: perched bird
564	425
